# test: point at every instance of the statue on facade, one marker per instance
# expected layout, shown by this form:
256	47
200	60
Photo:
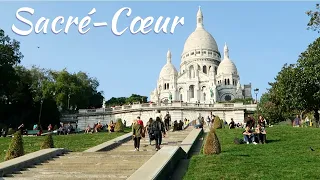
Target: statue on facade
211	92
170	96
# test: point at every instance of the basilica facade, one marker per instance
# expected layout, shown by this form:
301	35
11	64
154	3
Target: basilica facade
203	77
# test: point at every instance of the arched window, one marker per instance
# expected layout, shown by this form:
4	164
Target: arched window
191	91
215	70
228	81
204	69
227	98
225	81
168	87
191	72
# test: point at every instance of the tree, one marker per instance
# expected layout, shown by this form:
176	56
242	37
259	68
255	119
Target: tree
314	23
126	100
217	124
212	144
48	142
297	87
270	110
10	57
119	127
16	147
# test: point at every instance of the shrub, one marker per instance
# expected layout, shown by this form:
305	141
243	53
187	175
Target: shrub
119	127
48	142
212	144
11	131
16	147
217	123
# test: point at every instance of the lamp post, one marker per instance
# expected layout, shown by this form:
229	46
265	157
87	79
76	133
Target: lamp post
69	101
256	91
41	102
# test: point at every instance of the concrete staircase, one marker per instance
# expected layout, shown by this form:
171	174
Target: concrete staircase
118	163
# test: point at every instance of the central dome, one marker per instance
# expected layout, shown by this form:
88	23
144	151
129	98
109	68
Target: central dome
200	39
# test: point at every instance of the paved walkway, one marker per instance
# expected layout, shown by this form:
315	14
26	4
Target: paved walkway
118	163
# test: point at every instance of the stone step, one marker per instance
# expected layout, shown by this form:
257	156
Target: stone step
88	156
73	175
97	161
117	163
93	167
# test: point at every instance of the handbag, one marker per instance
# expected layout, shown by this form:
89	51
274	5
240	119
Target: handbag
143	132
152	137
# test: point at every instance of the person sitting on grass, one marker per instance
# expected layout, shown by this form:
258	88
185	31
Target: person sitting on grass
87	130
98	127
232	124
260	134
111	126
248	136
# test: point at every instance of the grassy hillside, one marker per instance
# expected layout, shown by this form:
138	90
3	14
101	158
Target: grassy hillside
286	156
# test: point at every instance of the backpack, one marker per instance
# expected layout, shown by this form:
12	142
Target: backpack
238	141
155	126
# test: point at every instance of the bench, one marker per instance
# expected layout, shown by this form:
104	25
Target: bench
32	132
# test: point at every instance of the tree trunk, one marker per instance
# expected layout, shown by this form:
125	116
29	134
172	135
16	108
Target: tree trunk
316	117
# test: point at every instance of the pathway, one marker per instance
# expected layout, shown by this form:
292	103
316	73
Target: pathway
118	163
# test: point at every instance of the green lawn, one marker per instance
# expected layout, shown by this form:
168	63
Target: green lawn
286	156
73	142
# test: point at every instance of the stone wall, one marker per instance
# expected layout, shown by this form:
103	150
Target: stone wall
176	114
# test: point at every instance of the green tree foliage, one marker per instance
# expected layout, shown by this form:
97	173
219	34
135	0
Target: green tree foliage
48	142
16	147
212	144
24	91
314	23
297	88
270	110
123	100
119	127
217	124
244	101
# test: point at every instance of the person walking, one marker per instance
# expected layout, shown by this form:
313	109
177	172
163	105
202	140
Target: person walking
167	120
136	134
159	131
149	130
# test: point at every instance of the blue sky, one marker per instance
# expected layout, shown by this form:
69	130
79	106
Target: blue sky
262	36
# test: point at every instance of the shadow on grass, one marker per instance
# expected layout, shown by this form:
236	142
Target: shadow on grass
272	141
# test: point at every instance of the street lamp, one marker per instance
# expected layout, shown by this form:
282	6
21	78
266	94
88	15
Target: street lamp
41	102
256	91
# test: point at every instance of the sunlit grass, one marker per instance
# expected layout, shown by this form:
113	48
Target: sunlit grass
286	156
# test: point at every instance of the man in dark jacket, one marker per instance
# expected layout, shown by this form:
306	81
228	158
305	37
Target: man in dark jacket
167	120
158	131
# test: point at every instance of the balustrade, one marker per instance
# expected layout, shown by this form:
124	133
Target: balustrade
173	104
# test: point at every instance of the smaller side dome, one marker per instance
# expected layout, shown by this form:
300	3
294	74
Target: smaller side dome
227	66
168	69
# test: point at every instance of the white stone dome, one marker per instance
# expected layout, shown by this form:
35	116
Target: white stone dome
200	38
168	69
227	66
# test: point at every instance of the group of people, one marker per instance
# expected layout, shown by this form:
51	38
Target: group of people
299	122
156	129
254	134
99	127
